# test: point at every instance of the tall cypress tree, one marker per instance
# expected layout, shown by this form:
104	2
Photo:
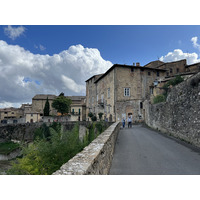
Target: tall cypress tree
46	108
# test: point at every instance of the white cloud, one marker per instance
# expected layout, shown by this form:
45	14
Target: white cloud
178	54
195	44
41	47
24	74
13	32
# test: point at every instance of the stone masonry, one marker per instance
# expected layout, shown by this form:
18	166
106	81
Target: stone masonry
96	158
180	114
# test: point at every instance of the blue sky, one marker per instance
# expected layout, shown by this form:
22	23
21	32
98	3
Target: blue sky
118	44
49	59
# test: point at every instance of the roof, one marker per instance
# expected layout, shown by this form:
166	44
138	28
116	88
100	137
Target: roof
171	62
76	98
156	61
126	66
192	64
95	76
44	96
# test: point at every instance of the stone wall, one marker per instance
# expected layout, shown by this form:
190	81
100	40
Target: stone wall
96	158
25	132
180	114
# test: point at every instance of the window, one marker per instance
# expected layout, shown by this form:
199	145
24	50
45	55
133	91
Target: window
167	74
158	74
102	98
126	91
141	105
151	90
73	111
79	111
108	92
31	115
177	70
132	69
149	73
170	70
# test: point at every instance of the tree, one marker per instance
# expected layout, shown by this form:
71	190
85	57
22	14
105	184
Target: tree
46	108
62	104
100	115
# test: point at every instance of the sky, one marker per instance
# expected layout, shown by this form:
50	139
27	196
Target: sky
50	59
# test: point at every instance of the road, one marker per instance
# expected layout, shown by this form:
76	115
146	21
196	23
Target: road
142	151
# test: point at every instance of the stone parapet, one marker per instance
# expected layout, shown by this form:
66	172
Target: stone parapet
96	158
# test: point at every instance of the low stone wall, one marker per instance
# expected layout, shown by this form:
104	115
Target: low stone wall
179	116
96	158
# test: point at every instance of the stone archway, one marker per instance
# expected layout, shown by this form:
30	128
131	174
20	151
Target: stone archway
129	110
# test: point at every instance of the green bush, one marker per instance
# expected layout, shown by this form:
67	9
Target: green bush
159	98
174	81
47	154
8	147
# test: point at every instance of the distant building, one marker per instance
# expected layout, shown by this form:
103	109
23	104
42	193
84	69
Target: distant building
38	103
10	115
32	117
78	106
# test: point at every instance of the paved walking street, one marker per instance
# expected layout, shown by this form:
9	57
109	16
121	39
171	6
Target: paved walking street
141	151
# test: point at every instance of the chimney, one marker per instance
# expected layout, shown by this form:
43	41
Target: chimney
133	64
137	64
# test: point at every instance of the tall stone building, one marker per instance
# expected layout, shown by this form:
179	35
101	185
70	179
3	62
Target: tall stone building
120	91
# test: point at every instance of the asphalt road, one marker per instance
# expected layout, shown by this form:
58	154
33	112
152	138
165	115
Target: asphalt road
141	151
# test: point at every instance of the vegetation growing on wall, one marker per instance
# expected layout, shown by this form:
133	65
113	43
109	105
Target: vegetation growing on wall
174	81
52	149
159	98
162	97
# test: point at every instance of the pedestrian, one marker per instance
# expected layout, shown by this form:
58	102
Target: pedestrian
129	121
123	122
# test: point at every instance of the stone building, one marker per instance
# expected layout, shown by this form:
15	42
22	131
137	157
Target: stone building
32	117
172	70
38	103
120	91
78	106
10	114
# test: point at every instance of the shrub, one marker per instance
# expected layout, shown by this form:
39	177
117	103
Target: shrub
159	98
100	115
46	155
174	81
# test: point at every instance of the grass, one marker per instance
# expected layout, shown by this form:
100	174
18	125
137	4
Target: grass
8	147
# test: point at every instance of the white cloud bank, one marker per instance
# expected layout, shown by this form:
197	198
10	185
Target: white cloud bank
14	32
24	74
178	54
195	44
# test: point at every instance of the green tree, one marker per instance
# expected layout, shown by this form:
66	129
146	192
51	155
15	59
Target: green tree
100	115
46	108
62	104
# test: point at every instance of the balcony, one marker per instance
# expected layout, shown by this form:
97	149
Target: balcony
101	102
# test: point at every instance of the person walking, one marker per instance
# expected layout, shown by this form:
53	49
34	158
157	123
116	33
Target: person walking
129	121
123	122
